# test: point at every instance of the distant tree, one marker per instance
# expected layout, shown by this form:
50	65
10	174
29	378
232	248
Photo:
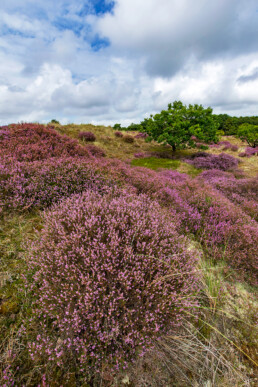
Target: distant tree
248	133
55	122
179	124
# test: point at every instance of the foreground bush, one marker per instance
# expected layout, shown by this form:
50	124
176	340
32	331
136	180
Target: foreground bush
222	161
111	273
31	142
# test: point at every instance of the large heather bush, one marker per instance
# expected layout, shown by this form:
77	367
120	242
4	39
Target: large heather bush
222	161
30	142
38	184
111	273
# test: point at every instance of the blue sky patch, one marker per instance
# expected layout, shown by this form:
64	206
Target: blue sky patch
99	43
97	7
67	24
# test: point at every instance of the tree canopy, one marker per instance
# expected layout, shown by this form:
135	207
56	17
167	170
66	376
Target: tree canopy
180	124
248	133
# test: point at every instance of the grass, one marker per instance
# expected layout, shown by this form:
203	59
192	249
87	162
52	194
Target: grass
155	163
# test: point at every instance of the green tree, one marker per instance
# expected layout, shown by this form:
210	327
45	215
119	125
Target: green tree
248	133
180	123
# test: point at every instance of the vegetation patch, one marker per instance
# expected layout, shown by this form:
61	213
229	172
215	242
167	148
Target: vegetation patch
155	163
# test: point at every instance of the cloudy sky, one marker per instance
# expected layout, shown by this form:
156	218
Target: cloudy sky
103	61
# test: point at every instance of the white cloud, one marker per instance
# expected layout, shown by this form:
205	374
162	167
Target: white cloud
160	51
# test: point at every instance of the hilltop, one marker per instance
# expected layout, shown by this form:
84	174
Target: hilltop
125	263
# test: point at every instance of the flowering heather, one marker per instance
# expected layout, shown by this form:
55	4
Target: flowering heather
222	161
200	210
110	274
38	184
249	152
119	134
30	142
95	151
87	136
243	192
141	135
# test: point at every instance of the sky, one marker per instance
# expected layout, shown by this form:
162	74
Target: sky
105	61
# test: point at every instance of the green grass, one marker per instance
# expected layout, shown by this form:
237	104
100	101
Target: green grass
155	163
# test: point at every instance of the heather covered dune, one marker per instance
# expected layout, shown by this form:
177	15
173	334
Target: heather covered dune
114	274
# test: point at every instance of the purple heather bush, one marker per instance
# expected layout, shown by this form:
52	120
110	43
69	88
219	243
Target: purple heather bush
38	184
141	135
30	142
87	136
95	150
243	191
249	152
119	134
222	161
110	274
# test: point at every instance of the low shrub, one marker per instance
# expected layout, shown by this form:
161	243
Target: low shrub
110	274
95	151
31	142
128	138
87	136
241	191
141	135
25	186
118	134
249	152
202	146
222	161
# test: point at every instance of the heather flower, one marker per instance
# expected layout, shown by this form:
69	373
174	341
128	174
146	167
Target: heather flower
222	161
141	135
110	273
31	142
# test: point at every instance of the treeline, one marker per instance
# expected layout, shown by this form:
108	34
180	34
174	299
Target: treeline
226	123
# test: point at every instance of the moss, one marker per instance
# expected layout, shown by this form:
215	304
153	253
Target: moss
155	163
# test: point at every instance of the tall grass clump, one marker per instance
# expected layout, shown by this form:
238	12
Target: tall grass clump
32	142
109	273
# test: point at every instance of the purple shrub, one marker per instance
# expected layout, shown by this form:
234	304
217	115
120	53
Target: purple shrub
95	151
119	134
26	185
110	274
243	191
30	142
128	138
141	135
222	161
87	136
249	152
